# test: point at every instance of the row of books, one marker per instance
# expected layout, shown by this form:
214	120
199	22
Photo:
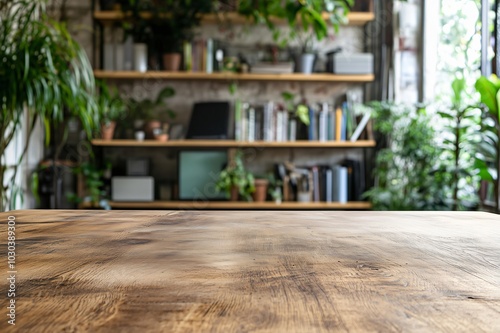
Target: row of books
204	55
324	183
267	122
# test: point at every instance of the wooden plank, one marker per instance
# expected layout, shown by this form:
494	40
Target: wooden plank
174	271
163	75
233	144
201	204
354	18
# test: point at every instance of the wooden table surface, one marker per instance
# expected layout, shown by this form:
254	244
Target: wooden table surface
169	271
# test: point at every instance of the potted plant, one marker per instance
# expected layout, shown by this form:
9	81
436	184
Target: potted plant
95	193
235	181
172	26
261	185
307	20
52	82
111	109
142	112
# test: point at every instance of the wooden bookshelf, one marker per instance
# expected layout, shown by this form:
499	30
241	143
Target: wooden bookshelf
233	144
354	18
200	205
296	77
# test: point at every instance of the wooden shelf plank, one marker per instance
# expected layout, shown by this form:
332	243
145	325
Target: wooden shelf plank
233	144
200	205
315	77
354	18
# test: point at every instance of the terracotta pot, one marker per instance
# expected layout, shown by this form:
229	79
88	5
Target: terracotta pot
234	193
107	131
161	137
260	193
150	126
172	62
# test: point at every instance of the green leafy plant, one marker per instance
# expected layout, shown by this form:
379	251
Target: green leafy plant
305	18
110	105
406	173
460	139
44	75
235	175
144	109
488	157
174	22
300	110
93	180
274	188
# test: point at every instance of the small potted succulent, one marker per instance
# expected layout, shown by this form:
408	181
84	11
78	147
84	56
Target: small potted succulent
111	108
235	181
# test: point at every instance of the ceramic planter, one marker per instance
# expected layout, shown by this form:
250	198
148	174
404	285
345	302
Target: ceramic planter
235	193
260	193
172	62
305	63
150	127
108	130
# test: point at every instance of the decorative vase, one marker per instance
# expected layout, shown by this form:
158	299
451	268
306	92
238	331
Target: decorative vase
172	62
260	193
235	193
140	57
150	127
108	130
305	63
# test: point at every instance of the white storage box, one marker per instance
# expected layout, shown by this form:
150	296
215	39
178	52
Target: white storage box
132	189
353	63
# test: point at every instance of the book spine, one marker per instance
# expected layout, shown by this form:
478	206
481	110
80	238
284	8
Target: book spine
279	125
343	185
188	61
315	174
237	120
292	134
329	184
312	125
285	126
251	125
338	124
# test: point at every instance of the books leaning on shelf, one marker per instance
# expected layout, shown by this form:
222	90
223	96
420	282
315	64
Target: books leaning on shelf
270	123
344	182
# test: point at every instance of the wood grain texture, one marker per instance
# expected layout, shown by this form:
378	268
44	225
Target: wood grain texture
175	271
222	76
218	205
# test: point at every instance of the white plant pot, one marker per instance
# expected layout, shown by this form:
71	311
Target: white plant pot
140	57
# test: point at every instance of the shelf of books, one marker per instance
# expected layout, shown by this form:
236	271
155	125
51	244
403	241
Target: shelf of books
238	205
228	76
354	18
